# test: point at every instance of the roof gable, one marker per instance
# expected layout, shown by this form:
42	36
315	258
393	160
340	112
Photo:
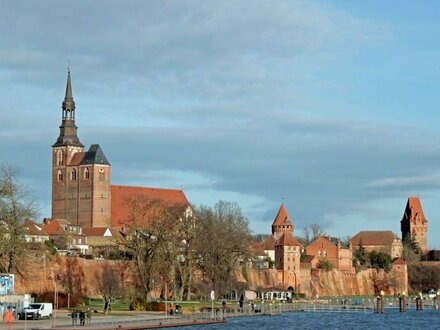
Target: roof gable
55	227
97	231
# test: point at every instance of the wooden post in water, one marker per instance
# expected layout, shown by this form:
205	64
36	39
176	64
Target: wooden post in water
402	302
435	301
419	302
380	303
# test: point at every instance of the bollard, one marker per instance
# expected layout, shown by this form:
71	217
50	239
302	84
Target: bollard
402	303
379	305
419	304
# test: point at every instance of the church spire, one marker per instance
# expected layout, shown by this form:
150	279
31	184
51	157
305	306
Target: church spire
68	128
68	103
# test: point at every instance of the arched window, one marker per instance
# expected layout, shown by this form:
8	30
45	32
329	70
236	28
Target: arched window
101	174
86	174
60	175
60	157
73	175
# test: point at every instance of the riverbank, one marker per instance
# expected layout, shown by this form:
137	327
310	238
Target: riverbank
121	321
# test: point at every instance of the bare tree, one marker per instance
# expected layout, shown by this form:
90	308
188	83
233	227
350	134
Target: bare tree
15	208
155	241
109	284
311	232
223	242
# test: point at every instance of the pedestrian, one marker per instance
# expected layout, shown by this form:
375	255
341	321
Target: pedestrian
171	308
74	317
178	309
82	318
89	316
9	318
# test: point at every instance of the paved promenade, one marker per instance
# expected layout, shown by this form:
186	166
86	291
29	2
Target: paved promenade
126	321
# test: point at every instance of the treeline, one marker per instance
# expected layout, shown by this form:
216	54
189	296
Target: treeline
175	249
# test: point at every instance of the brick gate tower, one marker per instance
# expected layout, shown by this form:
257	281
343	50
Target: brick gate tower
414	224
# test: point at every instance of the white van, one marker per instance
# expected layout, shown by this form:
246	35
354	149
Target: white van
37	311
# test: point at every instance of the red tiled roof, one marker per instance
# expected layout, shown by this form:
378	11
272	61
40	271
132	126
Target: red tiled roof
282	217
268	243
414	210
94	231
368	238
257	250
287	239
77	158
34	229
54	227
121	195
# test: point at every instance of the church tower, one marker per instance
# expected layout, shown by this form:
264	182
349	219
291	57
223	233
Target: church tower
80	180
65	178
414	223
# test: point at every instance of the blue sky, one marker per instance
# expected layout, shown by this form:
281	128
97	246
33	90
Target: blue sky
331	105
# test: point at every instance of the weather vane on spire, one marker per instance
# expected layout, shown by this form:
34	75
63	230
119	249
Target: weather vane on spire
68	66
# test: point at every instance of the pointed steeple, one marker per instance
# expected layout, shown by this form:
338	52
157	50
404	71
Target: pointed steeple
68	103
68	129
282	222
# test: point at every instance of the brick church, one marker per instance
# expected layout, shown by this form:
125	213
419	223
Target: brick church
82	192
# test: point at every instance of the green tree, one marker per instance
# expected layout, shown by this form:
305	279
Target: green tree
16	207
326	265
411	249
380	260
360	256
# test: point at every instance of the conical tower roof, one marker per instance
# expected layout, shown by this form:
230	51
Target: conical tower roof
282	218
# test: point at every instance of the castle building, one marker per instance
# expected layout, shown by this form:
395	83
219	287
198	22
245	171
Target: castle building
378	240
414	223
331	249
82	192
285	250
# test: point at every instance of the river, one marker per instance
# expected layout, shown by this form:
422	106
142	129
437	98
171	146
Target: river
391	319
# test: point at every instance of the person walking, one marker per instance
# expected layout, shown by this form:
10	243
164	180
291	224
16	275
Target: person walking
89	316
74	317
82	318
9	318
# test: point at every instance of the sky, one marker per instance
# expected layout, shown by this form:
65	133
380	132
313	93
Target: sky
328	106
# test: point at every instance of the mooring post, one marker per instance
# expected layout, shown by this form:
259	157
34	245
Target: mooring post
402	302
436	300
380	303
419	302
